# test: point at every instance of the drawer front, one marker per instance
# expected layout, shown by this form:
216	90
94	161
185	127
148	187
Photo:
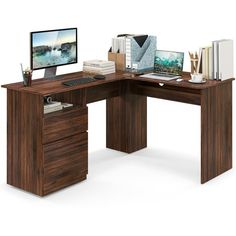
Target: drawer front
64	178
59	125
65	162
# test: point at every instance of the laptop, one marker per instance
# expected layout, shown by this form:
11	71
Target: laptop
168	65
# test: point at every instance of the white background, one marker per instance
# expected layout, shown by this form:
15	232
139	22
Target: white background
155	191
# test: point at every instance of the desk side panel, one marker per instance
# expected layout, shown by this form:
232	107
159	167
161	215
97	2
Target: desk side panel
24	141
216	131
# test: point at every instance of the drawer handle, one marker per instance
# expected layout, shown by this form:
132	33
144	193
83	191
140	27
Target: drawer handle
161	84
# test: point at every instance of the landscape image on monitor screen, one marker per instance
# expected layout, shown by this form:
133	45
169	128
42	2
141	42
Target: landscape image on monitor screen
53	48
169	62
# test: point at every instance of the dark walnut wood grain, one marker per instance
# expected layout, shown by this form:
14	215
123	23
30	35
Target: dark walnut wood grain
65	162
168	92
216	131
48	152
102	91
46	87
24	141
38	168
126	121
61	124
75	97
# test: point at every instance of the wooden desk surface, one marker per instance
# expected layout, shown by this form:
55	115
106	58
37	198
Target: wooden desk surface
46	87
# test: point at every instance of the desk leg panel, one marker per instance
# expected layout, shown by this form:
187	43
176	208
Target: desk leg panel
126	122
216	131
24	141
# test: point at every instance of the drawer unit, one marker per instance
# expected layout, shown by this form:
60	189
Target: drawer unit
65	162
61	124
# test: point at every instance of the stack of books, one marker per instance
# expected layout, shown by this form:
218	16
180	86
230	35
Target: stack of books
55	106
99	67
216	61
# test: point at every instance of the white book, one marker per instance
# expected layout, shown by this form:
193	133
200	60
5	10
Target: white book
199	60
128	52
122	45
53	109
102	72
207	62
52	104
225	59
115	45
98	63
210	64
215	59
204	62
98	70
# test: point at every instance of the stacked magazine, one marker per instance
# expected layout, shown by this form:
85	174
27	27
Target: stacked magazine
99	67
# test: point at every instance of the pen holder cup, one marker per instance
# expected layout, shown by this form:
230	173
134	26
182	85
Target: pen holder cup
27	78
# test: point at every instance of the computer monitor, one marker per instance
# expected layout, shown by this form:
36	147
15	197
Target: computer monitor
53	48
169	62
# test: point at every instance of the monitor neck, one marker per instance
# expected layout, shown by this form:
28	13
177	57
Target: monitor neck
50	73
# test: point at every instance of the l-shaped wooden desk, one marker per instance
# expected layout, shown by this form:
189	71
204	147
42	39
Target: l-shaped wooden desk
46	152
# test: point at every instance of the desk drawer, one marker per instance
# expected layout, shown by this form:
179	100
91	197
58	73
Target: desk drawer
59	125
65	162
63	178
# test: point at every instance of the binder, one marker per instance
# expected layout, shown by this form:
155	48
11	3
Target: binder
225	59
140	52
223	67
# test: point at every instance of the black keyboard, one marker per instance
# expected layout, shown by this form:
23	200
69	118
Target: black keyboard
75	82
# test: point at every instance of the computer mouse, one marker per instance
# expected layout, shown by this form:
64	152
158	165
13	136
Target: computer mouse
99	77
179	79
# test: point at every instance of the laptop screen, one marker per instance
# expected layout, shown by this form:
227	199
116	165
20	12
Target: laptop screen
168	62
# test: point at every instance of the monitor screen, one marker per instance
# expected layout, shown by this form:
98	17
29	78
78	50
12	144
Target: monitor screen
169	62
53	48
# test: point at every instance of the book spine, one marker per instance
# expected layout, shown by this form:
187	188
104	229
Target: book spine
128	53
121	45
207	62
217	61
210	62
199	60
204	62
115	45
213	63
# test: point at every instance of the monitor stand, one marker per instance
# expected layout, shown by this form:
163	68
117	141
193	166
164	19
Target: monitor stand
50	73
